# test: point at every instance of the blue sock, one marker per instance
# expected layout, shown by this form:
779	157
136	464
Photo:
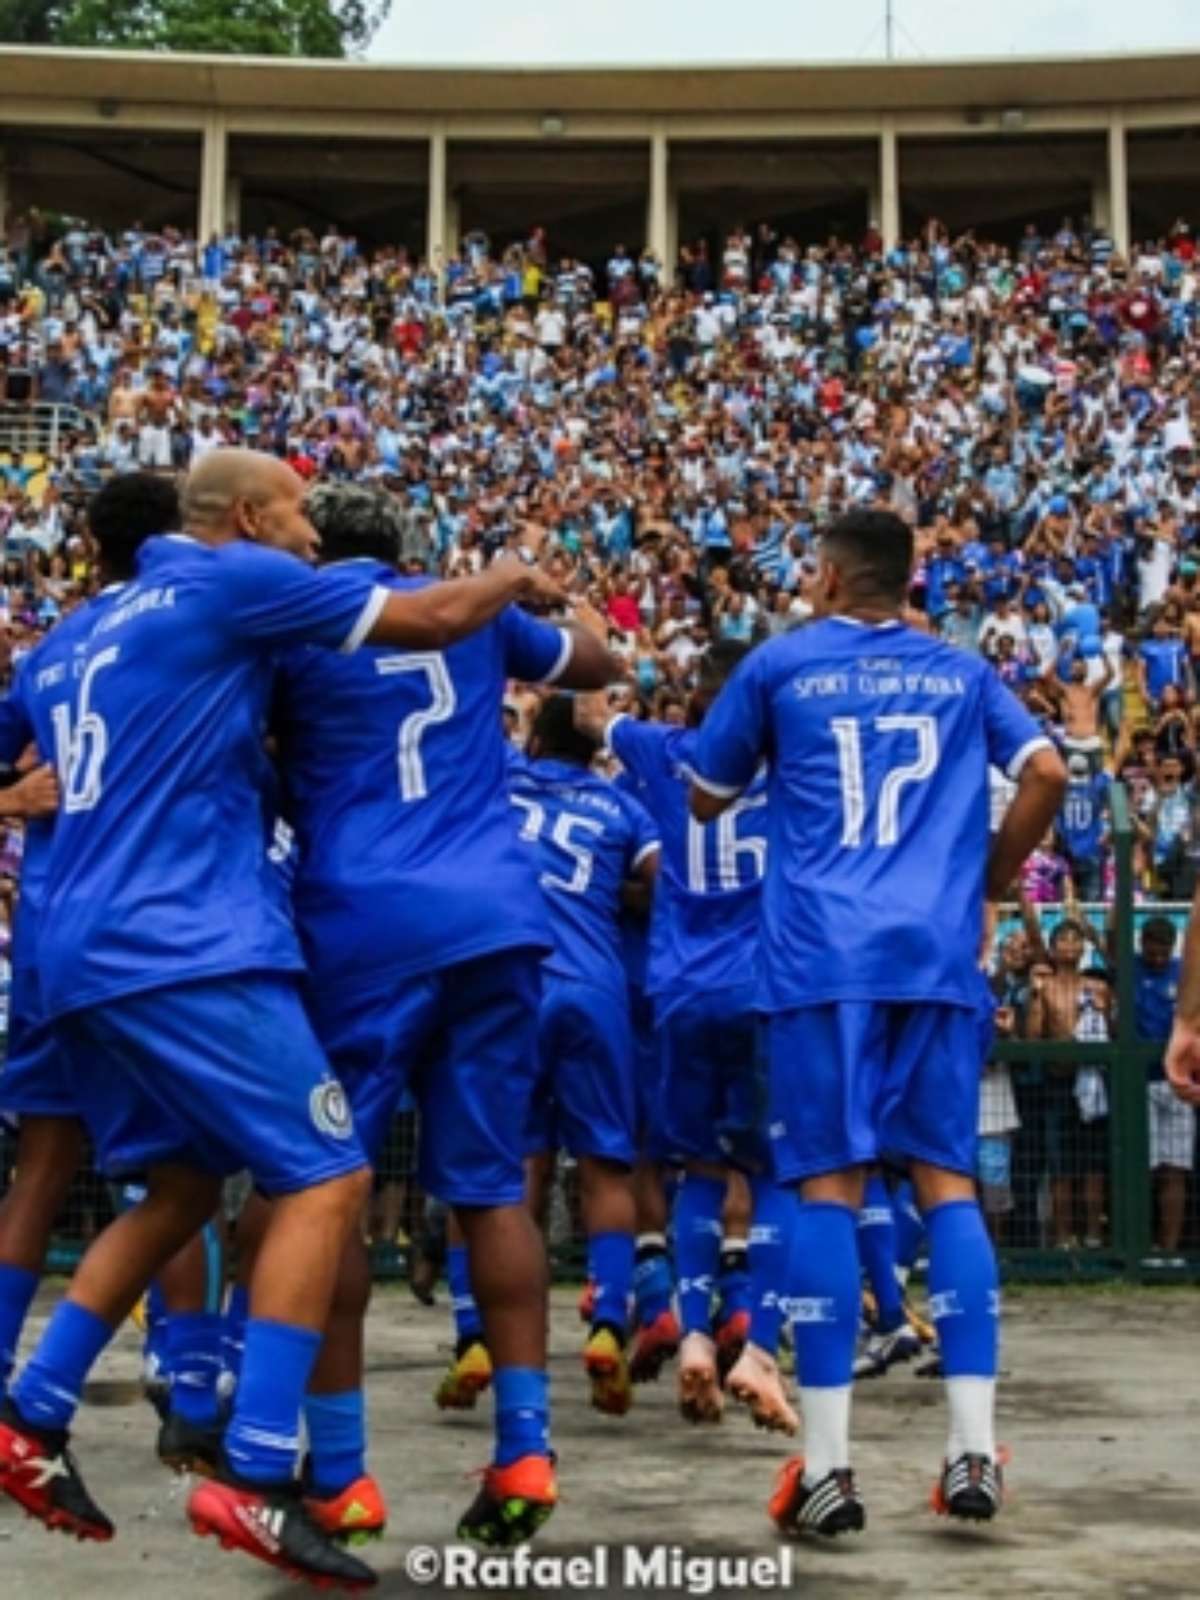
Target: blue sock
17	1289
194	1362
48	1390
337	1440
652	1283
263	1437
910	1225
698	1206
522	1413
825	1294
770	1260
233	1333
468	1324
610	1267
877	1252
964	1290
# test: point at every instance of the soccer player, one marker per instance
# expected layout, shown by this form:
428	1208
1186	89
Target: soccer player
423	929
591	841
36	1085
172	974
701	975
878	739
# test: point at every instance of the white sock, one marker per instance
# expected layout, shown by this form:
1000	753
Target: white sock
972	1403
826	1431
645	1241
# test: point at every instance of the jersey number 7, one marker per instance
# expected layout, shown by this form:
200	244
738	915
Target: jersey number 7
442	703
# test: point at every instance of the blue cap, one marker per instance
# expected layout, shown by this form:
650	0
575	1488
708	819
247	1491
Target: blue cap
1059	505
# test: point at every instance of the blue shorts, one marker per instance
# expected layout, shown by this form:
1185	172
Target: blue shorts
585	1100
714	1081
463	1041
36	1079
854	1081
221	1074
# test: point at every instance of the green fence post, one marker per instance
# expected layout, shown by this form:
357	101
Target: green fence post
1127	1088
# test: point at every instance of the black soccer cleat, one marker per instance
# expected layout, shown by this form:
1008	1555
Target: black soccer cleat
828	1507
513	1503
970	1488
190	1446
38	1471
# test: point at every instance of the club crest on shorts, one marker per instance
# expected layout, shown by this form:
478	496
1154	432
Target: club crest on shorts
330	1110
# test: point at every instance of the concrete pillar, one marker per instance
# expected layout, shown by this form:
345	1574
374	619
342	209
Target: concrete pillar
889	185
1101	210
1118	184
660	203
233	203
214	167
435	224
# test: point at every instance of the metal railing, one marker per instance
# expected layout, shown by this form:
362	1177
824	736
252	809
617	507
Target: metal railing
37	428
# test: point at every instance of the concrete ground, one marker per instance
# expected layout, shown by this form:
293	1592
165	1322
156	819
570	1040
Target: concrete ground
1100	1406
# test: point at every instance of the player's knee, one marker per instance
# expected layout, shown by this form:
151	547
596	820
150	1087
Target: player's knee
937	1186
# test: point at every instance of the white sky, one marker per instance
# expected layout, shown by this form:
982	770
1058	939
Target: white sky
532	32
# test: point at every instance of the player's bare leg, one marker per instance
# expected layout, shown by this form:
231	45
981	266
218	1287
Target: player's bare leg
35	1467
49	1150
510	1281
698	1210
610	1217
341	1496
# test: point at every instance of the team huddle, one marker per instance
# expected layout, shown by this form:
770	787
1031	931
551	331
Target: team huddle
283	869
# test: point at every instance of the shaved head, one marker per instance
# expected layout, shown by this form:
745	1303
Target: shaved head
246	494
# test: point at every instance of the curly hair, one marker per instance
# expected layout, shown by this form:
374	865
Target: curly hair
354	520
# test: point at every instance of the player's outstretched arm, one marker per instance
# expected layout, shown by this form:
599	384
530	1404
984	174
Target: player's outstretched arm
436	617
1182	1062
592	664
1040	790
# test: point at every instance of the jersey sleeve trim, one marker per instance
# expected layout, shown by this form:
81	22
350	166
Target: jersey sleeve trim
367	618
564	657
1016	765
722	791
653	848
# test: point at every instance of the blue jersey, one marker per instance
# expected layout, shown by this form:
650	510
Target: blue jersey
1082	817
38	712
588	838
879	740
704	923
1156	990
159	871
394	771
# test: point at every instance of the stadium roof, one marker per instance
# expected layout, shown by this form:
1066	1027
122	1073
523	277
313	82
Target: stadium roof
275	83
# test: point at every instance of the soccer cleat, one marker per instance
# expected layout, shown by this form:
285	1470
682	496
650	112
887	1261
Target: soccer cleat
931	1367
884	1350
190	1446
653	1346
700	1398
829	1507
469	1375
271	1523
970	1488
731	1341
356	1516
755	1382
156	1386
587	1303
38	1471
514	1502
608	1371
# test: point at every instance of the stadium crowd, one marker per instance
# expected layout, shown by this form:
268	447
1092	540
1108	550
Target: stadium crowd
672	442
